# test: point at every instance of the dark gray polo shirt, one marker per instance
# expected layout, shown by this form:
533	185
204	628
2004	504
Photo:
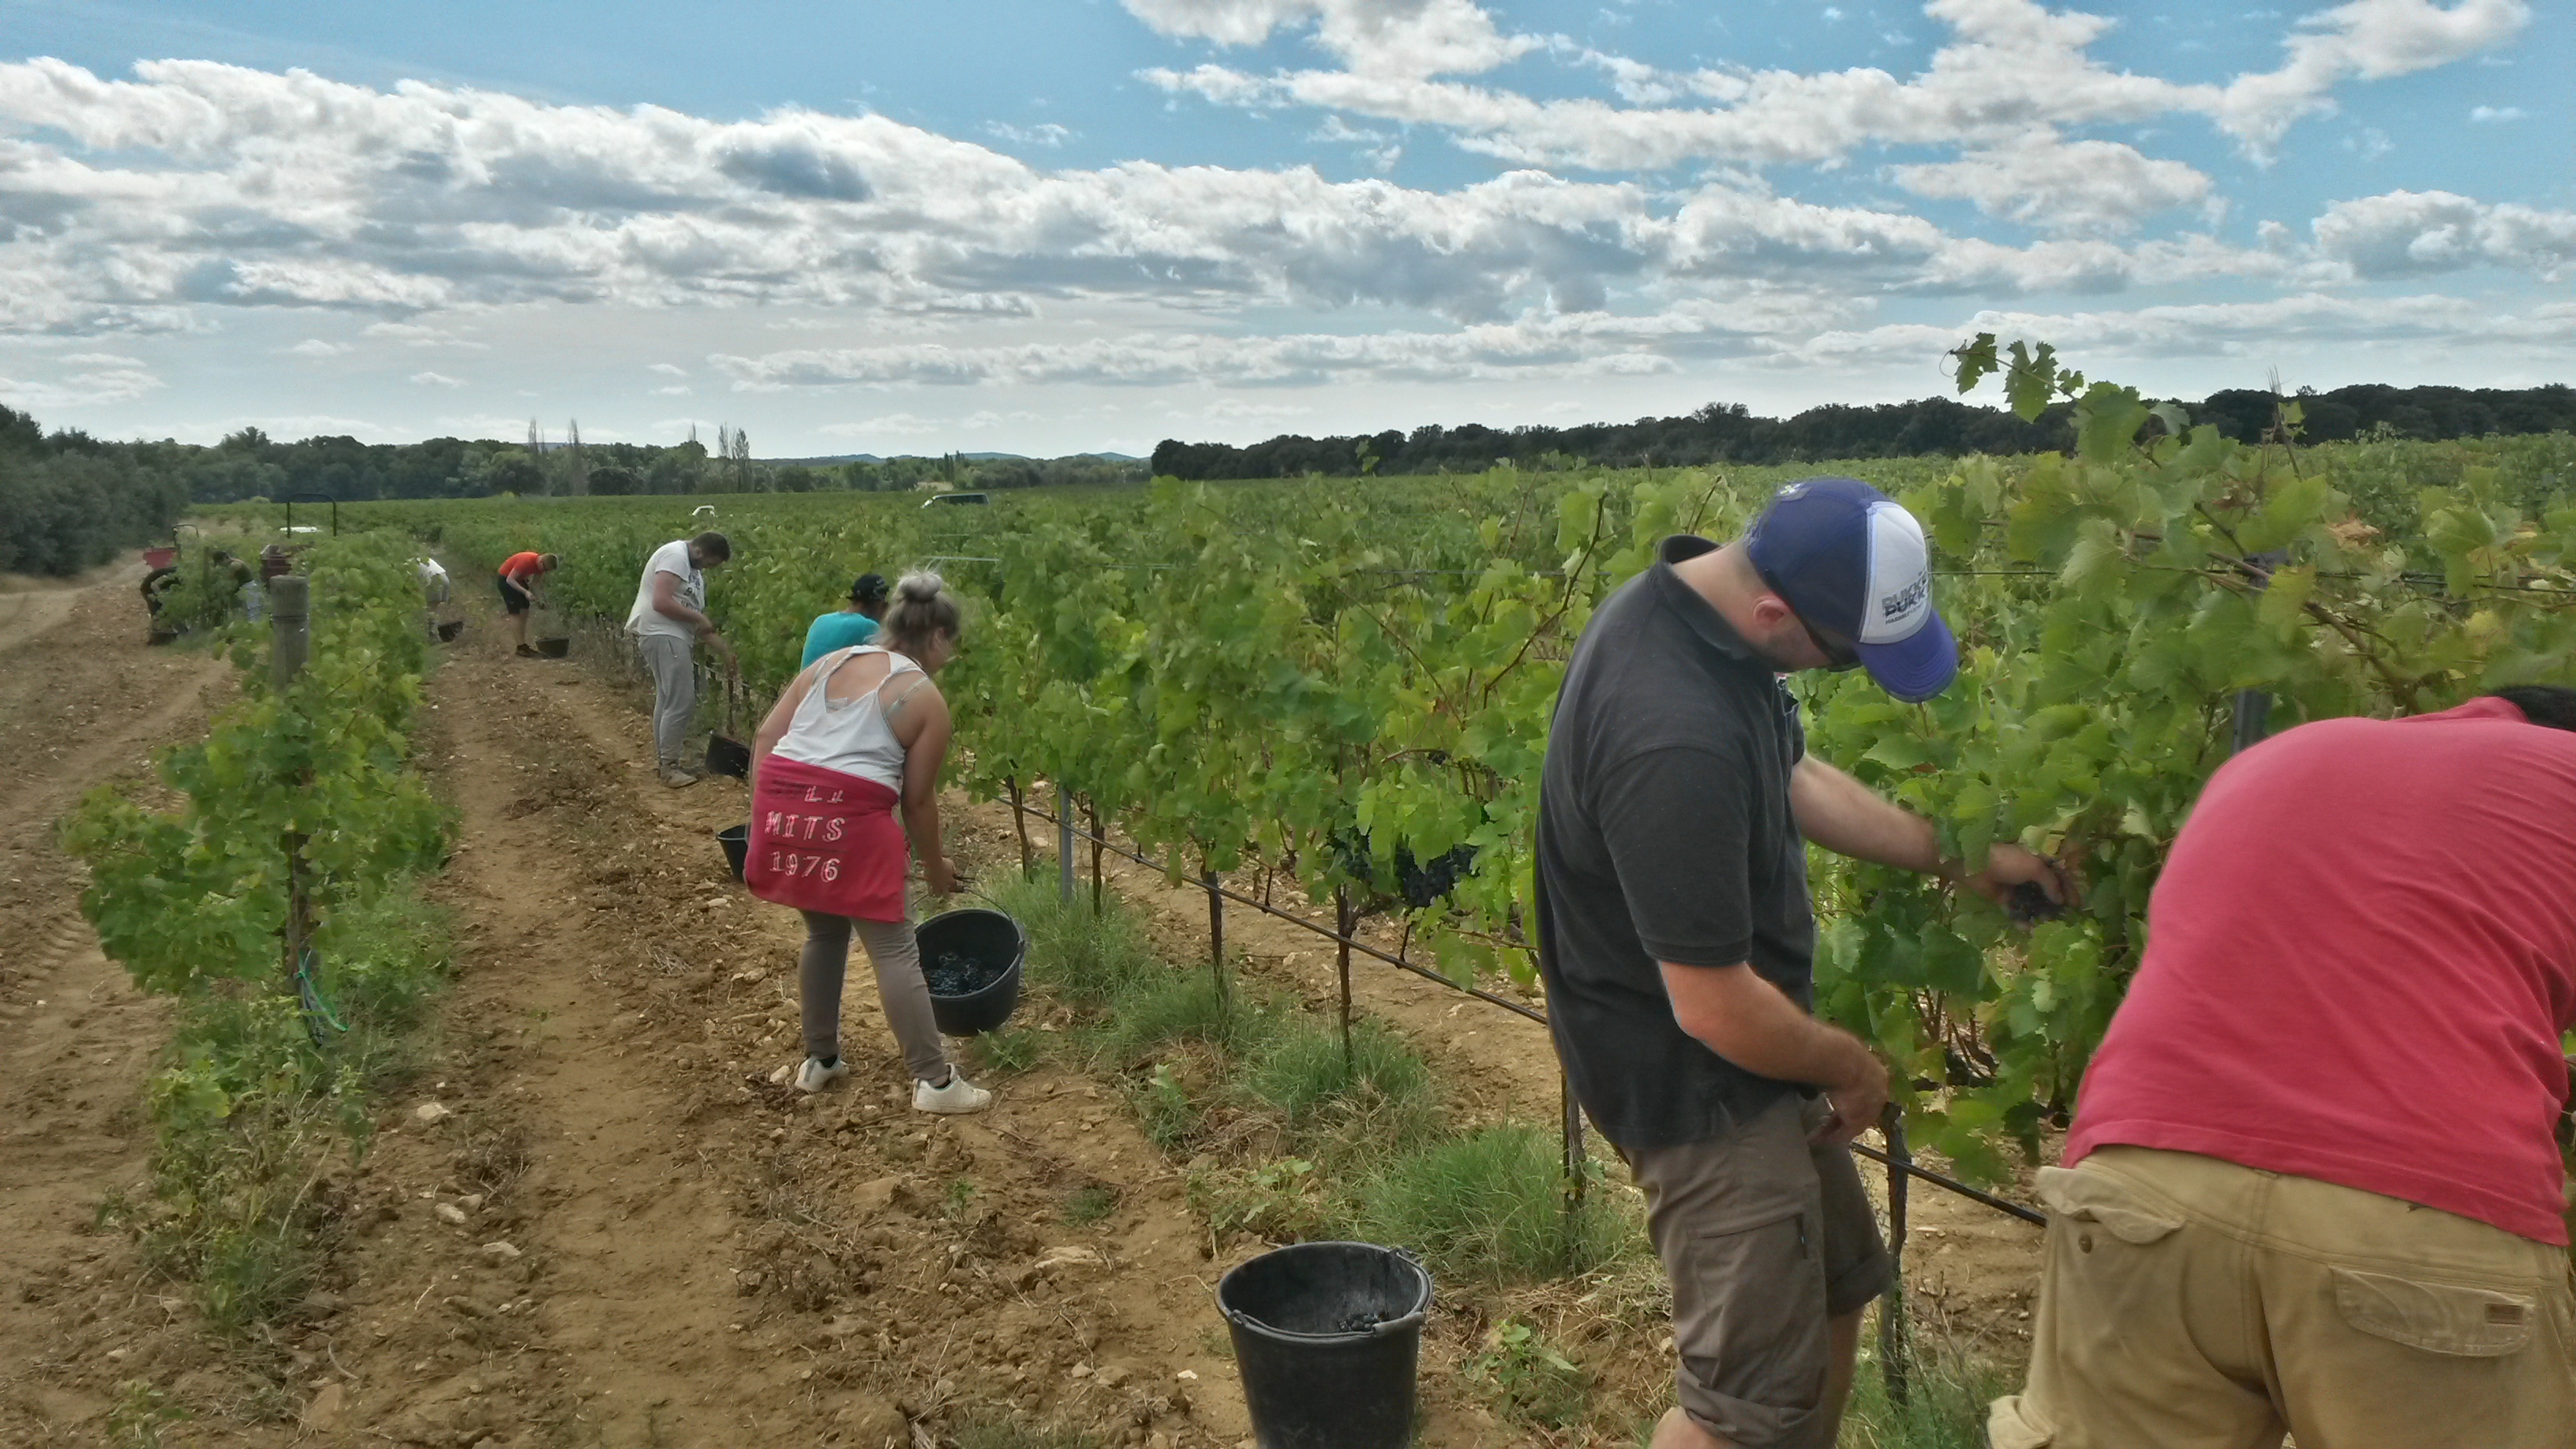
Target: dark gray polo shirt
1665	834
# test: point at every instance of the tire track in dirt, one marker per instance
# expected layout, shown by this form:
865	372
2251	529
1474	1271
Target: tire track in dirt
82	701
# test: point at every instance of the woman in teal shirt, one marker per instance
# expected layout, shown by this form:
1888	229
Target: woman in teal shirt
851	624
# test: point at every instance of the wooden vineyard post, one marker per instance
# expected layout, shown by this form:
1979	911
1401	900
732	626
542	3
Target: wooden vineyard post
1216	933
1091	811
1342	949
1020	821
290	610
1894	1366
1064	842
2253	706
1570	1121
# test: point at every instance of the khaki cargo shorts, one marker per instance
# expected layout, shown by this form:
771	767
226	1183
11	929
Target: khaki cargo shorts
2189	1303
1765	1236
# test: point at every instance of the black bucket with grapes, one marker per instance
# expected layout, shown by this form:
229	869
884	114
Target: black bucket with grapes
972	960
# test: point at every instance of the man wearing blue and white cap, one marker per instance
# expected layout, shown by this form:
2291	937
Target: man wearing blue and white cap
1677	939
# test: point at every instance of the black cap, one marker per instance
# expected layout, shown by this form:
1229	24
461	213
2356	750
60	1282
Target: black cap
870	589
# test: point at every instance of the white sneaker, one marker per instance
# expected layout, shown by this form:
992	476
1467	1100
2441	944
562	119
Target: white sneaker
814	1076
677	778
956	1099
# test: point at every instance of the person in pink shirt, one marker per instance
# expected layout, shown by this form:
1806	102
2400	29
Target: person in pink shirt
2314	1185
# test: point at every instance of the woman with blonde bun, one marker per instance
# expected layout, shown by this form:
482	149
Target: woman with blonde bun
856	741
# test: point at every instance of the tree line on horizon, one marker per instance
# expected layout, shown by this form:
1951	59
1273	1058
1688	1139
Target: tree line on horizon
69	501
1732	433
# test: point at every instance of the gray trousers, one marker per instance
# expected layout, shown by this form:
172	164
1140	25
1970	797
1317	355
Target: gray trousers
892	950
675	695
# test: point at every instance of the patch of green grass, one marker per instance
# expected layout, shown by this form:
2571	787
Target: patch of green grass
1281	1201
1172	1104
1948	1389
384	964
1490	1207
1179	1007
140	1415
249	1114
1010	1051
992	1431
1089	1205
1526	1380
1083	960
1347	1109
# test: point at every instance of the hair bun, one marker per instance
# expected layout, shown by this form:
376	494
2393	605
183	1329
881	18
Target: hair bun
920	588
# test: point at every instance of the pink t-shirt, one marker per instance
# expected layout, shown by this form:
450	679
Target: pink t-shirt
2360	960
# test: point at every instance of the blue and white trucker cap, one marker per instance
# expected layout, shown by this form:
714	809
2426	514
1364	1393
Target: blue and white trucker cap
1853	563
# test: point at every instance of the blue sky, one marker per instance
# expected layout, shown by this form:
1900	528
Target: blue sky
993	224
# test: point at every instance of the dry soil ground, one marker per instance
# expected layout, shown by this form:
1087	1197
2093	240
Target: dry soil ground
596	1220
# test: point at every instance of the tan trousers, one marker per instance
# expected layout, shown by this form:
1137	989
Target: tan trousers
2189	1303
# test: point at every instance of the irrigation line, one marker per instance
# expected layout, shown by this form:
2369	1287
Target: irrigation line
1505	1002
2002	1205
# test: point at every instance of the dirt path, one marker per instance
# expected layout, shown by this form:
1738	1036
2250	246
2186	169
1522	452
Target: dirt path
82	701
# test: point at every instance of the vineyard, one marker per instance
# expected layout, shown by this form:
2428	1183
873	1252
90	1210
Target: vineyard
573	1203
1329	685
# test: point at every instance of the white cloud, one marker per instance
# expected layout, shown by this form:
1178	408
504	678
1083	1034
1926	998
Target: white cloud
2009	66
2364	40
2080	186
89	379
1372	37
1046	133
2417	233
415	334
2495	115
1642	231
899	424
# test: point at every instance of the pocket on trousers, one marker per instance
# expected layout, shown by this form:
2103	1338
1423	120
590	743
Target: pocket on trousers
2098	1198
1750	1325
2010	1425
2447	1318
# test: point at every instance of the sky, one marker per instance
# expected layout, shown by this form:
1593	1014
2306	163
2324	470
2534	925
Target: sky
1054	226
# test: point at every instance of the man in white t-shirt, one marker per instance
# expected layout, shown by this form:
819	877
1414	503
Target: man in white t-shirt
434	592
668	618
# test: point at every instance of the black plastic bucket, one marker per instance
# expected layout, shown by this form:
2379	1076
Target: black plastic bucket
1326	1338
449	629
990	939
728	757
554	648
737	845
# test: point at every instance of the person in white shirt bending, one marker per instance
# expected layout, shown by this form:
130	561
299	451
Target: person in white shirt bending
668	618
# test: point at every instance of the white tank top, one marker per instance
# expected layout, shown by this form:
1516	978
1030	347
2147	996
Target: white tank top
853	736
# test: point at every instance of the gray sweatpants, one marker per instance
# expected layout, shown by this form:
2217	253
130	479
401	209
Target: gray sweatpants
675	695
891	949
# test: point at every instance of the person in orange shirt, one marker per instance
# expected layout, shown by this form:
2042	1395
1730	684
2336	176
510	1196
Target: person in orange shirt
519	575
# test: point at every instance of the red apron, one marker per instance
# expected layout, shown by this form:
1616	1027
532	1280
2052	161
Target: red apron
824	841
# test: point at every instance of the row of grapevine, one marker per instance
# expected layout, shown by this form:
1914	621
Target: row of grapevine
296	792
1328	679
266	890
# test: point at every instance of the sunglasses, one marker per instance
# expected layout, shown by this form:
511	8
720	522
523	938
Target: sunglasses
1838	649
